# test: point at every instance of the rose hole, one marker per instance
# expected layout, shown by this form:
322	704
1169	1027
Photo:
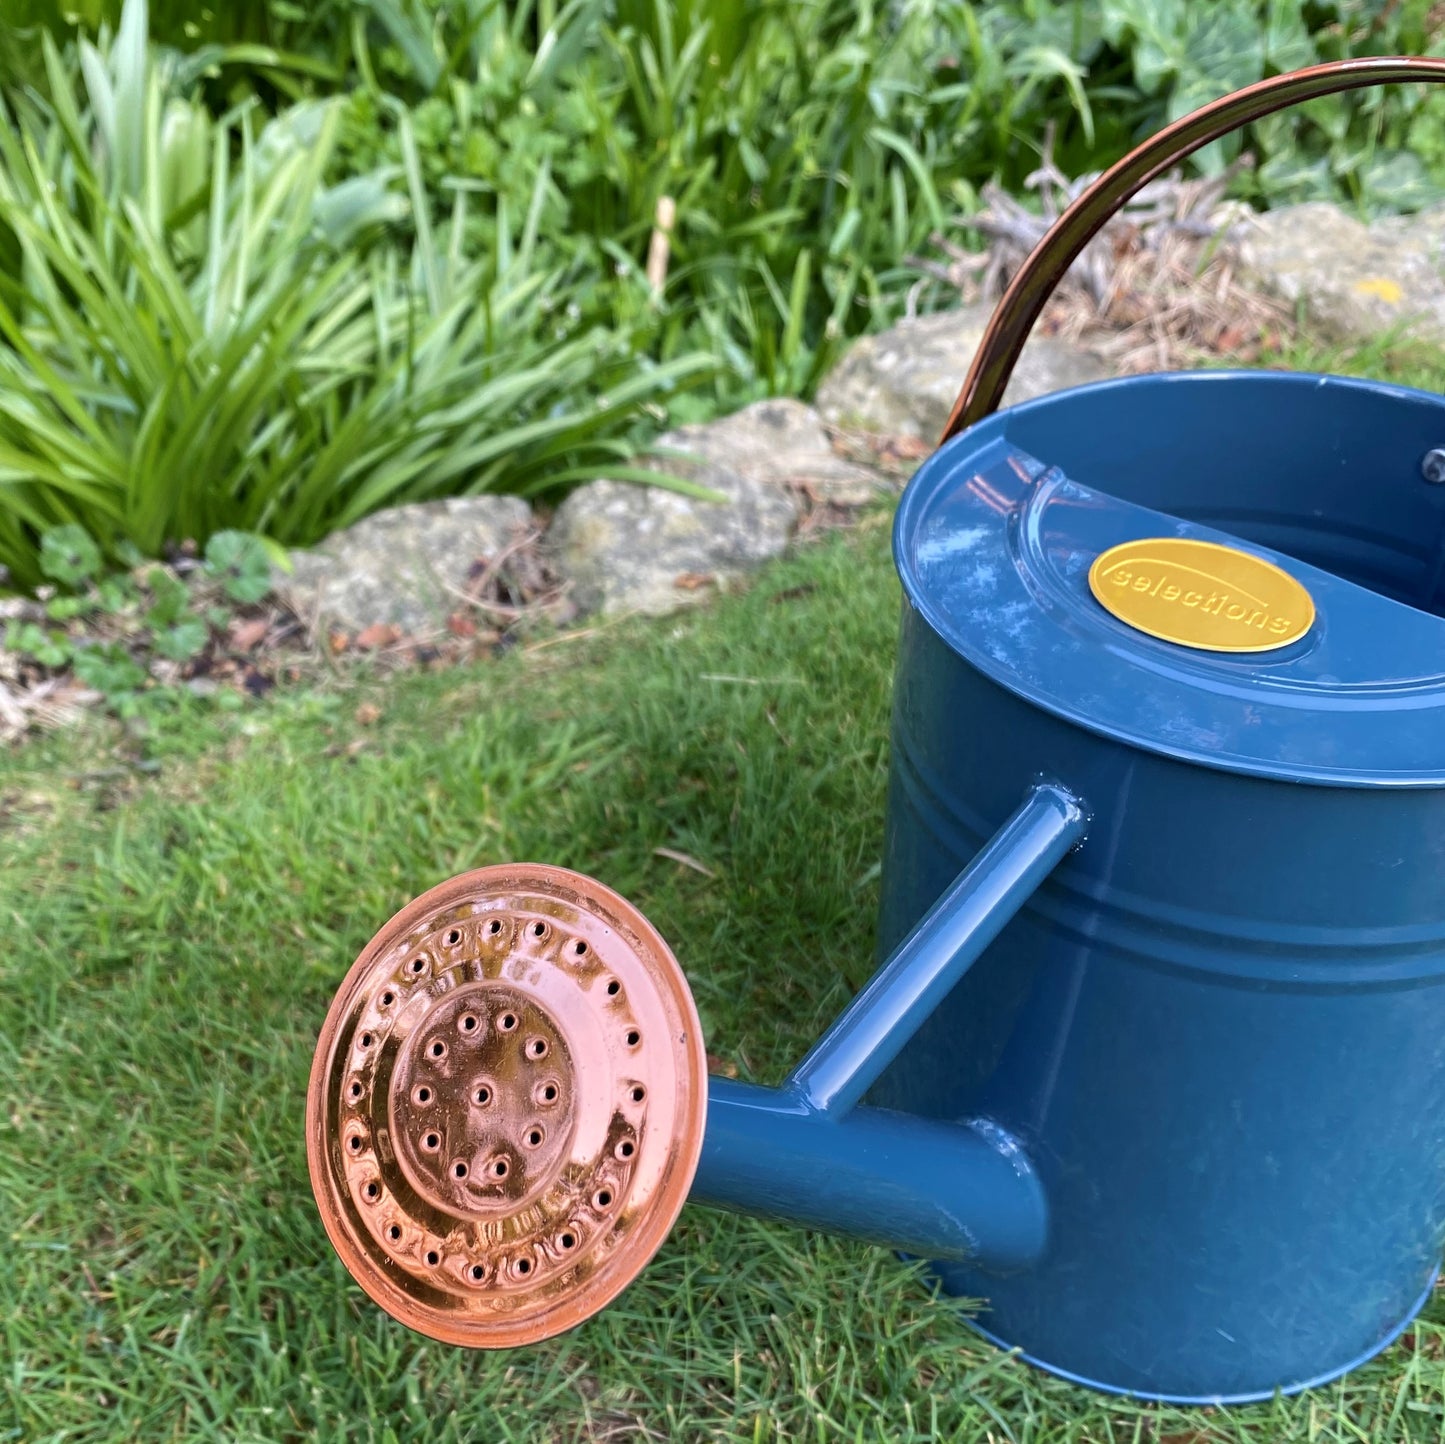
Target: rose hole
453	938
373	1189
613	988
534	1137
394	1232
625	1149
579	947
354	1091
469	1024
422	1094
538	929
417	964
547	1093
633	1037
602	1197
459	1169
524	1266
507	1022
639	1093
431	1142
477	1272
568	1240
433	1258
499	1168
537	1048
483	1095
354	1143
367	1040
387	999
495	927
438	1049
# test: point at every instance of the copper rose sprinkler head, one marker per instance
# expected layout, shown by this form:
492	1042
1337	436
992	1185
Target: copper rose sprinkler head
506	1106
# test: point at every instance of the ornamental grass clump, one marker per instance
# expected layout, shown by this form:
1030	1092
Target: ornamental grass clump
199	331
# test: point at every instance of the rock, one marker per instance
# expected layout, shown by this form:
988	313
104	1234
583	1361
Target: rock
1424	230
632	548
396	568
1353	280
781	443
903	382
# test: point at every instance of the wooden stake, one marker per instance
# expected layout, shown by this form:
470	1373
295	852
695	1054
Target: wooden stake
660	247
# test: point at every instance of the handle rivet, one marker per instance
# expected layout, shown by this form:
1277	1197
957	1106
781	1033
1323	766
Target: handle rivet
1432	465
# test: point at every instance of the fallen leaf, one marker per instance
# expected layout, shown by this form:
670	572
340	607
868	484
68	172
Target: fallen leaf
723	1067
367	713
911	448
248	635
459	624
378	634
693	581
339	641
1422	1340
353	748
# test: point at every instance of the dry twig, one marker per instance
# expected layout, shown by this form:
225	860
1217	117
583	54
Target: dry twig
1157	288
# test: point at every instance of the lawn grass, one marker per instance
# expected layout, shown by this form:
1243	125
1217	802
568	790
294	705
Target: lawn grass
176	935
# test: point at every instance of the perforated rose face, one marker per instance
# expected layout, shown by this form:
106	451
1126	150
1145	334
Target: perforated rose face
506	1106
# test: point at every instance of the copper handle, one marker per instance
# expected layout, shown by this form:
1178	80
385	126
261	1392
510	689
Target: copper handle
1047	263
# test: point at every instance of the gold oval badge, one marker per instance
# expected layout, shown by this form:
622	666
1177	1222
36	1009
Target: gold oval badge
1201	594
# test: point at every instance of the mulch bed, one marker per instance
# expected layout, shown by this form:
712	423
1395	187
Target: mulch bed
1158	289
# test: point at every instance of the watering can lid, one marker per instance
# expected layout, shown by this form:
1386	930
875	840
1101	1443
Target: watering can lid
995	549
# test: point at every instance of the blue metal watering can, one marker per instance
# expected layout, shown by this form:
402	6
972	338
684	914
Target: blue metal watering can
1155	1065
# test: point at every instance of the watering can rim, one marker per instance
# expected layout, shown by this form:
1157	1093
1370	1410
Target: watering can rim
1179	677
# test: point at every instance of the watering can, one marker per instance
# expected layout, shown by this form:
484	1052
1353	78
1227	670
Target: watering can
1155	1062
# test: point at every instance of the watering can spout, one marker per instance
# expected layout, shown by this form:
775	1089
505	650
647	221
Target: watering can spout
872	1030
964	1191
807	1153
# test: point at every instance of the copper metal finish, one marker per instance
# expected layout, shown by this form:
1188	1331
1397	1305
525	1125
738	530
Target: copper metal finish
1047	263
506	1106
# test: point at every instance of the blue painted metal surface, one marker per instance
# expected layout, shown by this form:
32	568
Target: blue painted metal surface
940	1190
851	1055
1218	1028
